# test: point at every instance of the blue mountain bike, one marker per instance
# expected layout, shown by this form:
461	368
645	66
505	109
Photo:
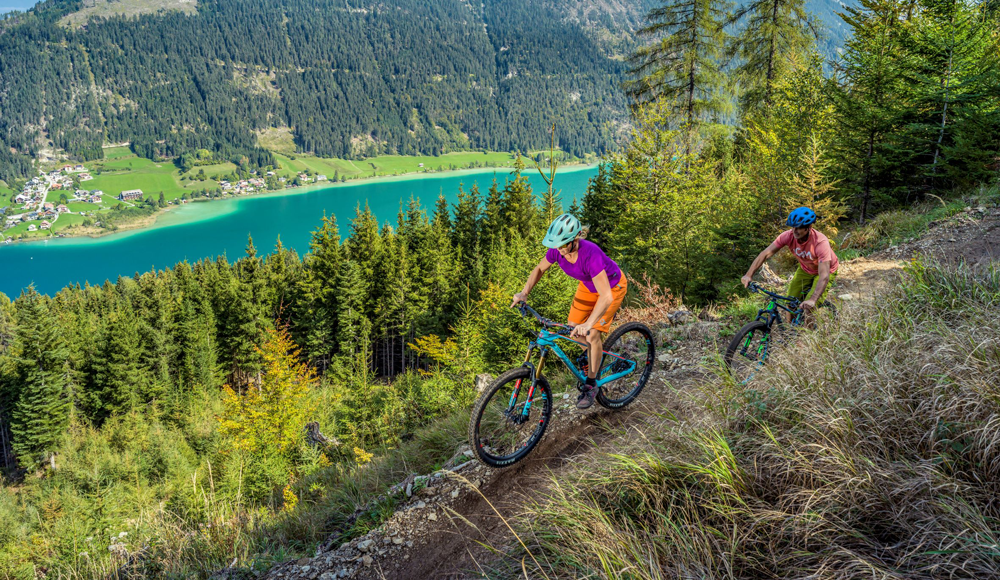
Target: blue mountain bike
510	417
749	349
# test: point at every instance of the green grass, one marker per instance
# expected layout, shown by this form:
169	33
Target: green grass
384	165
75	206
150	177
67	220
899	226
21	229
112	153
214	171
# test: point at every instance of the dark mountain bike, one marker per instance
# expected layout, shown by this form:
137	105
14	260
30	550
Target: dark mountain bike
510	417
749	349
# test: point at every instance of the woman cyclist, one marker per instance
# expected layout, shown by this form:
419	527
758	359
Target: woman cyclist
598	296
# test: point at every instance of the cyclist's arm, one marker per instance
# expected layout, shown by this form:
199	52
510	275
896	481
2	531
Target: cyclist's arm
604	298
533	278
822	279
759	261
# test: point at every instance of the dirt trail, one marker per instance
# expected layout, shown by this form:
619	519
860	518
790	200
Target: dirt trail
454	527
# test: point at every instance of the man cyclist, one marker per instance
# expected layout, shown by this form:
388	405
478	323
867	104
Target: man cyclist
598	296
817	263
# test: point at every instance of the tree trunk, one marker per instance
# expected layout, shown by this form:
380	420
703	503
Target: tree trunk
867	187
944	110
770	55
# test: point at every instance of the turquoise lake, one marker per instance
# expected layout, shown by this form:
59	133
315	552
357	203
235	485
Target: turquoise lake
209	229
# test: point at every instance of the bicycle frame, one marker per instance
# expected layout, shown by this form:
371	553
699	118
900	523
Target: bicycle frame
545	342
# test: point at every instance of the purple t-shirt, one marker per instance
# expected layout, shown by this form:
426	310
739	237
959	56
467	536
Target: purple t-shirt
590	261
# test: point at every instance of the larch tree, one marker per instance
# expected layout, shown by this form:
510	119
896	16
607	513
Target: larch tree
682	63
771	32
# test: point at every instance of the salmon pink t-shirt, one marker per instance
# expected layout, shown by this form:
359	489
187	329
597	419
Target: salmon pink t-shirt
590	261
810	253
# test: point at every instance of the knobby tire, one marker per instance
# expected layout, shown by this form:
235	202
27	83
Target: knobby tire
503	387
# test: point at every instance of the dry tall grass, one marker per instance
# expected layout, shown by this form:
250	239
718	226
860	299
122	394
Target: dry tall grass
869	450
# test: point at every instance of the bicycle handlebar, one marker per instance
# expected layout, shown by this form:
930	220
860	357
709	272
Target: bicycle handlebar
526	310
755	287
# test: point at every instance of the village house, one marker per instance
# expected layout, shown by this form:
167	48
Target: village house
21	198
85	177
320	178
94	199
45	225
130	194
32	228
62	209
48	205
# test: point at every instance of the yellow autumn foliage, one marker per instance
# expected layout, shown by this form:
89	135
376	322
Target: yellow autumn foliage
272	413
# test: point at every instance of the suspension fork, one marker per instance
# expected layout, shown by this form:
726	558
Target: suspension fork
535	372
517	386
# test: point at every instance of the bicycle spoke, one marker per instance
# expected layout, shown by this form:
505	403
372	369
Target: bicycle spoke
505	429
634	350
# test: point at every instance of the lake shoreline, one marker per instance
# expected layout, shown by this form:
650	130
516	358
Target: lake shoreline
156	220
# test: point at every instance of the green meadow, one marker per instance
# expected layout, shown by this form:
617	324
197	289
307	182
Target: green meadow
122	170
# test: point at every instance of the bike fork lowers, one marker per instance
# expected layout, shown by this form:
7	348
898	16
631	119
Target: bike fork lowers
531	390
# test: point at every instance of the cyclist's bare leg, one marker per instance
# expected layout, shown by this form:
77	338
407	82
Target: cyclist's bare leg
596	351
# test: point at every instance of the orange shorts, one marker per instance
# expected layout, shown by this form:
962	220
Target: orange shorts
584	301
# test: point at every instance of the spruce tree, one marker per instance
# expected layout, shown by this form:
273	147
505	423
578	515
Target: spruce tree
519	215
316	308
41	413
869	97
353	327
117	381
952	75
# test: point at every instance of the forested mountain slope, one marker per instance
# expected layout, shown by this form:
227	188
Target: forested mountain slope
350	78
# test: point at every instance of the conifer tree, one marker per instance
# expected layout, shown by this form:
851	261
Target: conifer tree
41	413
317	294
465	236
951	74
772	33
491	230
118	381
869	96
682	63
194	334
353	326
517	210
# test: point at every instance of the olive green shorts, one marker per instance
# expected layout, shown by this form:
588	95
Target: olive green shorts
801	285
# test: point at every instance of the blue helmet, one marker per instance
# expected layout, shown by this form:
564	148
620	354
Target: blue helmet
801	217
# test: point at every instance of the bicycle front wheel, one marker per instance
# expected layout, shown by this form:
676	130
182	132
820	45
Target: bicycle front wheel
748	350
629	343
509	419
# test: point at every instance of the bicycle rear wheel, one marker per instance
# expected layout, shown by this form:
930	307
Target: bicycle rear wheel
748	351
501	432
633	342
